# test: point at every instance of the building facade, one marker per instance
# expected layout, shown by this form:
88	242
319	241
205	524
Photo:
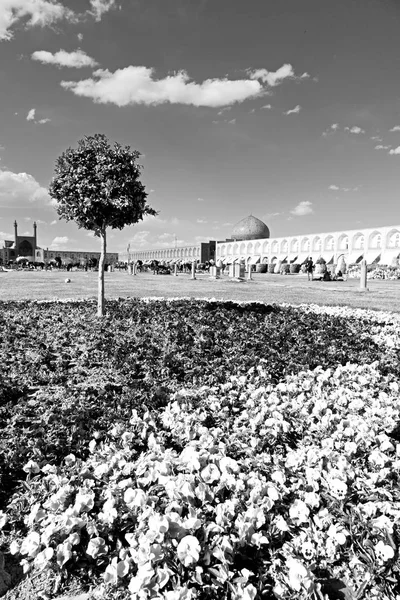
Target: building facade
25	249
377	245
201	252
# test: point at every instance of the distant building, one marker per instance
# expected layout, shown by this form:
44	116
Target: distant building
251	242
201	252
24	248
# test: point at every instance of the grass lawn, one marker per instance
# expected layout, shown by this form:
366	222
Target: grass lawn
295	289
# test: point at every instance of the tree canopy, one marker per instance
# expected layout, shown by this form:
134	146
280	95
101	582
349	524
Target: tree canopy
98	186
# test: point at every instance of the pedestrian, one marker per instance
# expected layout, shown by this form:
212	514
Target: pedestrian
309	268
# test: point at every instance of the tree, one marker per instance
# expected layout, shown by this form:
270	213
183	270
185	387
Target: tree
97	186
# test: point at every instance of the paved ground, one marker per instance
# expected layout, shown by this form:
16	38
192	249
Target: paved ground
382	295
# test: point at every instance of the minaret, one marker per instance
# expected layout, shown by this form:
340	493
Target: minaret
15	234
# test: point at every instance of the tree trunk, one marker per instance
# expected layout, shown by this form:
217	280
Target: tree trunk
100	301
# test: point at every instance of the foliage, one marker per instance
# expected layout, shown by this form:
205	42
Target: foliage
203	449
295	267
98	186
285	269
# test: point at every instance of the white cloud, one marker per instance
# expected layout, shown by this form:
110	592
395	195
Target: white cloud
395	150
336	188
200	199
273	78
331	129
31	115
355	129
303	208
32	13
201	221
376	138
266	106
21	188
59	242
136	85
381	147
293	111
395	128
99	7
54	222
232	121
76	59
42	121
221	112
79	36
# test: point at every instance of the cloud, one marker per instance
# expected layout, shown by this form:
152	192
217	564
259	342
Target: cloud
58	242
331	129
137	85
266	107
31	117
99	7
33	12
54	222
200	199
381	147
76	59
293	111
79	36
201	221
395	150
232	121
274	78
336	188
355	129
303	208
21	188
376	138
395	128
221	112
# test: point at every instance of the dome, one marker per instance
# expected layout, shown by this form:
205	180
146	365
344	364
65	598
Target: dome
250	228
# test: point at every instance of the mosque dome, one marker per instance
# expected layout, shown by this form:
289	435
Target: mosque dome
250	228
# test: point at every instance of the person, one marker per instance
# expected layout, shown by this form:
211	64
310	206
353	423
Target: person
309	268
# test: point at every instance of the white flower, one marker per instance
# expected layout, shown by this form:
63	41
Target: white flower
383	552
188	550
338	488
299	511
298	574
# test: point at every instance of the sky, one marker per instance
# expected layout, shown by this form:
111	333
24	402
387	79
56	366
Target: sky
285	109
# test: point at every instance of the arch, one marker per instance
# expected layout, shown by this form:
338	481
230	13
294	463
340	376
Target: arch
274	259
329	243
375	239
358	241
294	245
393	238
265	247
275	247
305	245
257	248
229	249
343	242
235	249
284	246
250	247
242	248
317	244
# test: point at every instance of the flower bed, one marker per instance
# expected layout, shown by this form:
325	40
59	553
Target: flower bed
256	457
